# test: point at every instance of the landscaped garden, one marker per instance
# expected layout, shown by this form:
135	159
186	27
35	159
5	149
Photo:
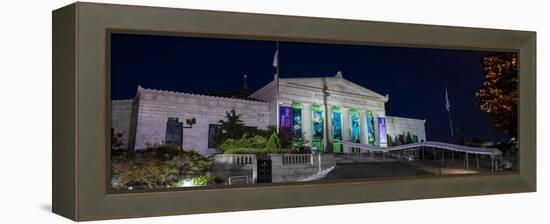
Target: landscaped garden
165	166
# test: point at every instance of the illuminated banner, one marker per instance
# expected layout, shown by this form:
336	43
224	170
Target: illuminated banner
355	129
318	124
297	122
285	116
370	129
317	117
382	131
336	129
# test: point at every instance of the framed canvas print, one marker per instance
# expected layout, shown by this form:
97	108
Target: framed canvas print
161	111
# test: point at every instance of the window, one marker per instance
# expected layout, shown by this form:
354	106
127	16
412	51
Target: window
174	132
249	131
415	138
214	132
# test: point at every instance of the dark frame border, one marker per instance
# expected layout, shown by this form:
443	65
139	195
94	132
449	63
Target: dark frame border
81	113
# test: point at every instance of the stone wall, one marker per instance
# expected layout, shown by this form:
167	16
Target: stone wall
398	126
156	106
298	167
232	165
120	121
284	167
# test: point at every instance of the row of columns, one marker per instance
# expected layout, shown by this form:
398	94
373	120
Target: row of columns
346	124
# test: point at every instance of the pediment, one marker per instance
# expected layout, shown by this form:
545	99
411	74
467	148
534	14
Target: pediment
332	84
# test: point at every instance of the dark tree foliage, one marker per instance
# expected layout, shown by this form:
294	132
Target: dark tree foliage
232	127
408	139
390	140
498	95
116	140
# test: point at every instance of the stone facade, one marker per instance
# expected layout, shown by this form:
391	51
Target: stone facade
156	106
401	126
338	91
121	117
144	119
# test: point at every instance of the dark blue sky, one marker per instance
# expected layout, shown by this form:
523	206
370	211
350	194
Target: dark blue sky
415	78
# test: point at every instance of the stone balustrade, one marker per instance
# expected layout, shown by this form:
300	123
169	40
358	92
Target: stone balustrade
284	167
297	159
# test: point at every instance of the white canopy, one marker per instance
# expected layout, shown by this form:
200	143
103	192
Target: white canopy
441	145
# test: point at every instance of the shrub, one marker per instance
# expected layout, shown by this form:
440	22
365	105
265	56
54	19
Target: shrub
256	142
273	142
197	181
285	135
156	166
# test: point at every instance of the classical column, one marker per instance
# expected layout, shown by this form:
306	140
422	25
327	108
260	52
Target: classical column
363	126
306	123
345	124
376	133
328	135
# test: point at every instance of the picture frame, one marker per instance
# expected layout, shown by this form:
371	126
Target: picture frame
81	110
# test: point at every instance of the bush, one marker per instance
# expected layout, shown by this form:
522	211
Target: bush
273	142
156	166
197	181
253	145
256	142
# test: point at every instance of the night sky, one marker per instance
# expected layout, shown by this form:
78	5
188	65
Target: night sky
414	78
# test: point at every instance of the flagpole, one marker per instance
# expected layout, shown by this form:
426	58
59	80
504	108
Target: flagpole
277	83
451	126
449	113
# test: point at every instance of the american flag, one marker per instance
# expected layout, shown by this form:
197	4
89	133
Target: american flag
447	102
276	58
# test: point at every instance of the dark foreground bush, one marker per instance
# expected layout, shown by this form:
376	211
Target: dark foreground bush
156	166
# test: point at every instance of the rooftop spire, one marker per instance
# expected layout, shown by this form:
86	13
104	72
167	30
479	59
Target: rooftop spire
244	86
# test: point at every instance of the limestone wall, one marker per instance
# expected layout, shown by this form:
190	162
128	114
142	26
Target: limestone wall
156	106
120	120
284	167
399	125
233	165
297	167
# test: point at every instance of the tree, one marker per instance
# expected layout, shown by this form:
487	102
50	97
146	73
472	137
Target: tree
390	140
116	140
498	95
408	139
233	126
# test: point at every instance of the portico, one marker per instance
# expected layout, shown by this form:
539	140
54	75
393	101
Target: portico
320	112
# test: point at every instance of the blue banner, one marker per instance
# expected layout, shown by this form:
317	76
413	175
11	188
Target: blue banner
383	132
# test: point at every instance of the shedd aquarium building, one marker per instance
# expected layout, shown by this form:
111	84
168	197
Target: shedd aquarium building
320	113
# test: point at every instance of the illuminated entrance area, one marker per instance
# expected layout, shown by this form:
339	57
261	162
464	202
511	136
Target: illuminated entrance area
336	129
371	139
355	128
317	119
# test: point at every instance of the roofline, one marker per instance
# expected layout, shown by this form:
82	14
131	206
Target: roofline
407	118
121	100
384	98
141	89
263	89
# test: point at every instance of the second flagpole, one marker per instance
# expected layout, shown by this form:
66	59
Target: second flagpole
277	87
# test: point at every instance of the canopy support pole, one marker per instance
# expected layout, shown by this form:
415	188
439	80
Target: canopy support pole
467	162
422	152
477	161
492	164
452	157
